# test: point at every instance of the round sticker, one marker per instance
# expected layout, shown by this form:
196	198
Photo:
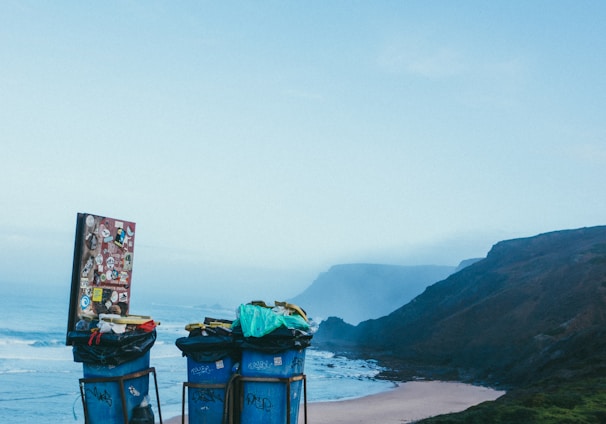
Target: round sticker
84	302
105	233
90	221
114	297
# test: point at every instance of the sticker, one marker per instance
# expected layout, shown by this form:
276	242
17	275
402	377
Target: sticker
108	275
87	266
219	364
123	297
277	361
124	277
84	302
110	262
108	304
99	259
127	262
119	240
90	221
114	297
91	240
97	294
129	231
83	282
107	239
105	233
103	277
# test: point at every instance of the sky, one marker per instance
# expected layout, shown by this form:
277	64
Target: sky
256	144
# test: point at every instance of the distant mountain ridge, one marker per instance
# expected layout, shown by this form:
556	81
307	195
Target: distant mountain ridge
534	308
357	292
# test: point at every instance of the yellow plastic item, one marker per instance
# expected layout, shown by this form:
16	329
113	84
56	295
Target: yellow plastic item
195	325
294	308
130	319
202	326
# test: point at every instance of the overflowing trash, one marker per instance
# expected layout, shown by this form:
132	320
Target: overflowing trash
256	319
101	344
248	370
212	362
115	356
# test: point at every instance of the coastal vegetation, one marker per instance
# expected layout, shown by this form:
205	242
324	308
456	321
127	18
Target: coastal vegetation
580	401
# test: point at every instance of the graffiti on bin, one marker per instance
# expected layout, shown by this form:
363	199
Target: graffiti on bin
200	370
103	396
206	396
259	365
258	402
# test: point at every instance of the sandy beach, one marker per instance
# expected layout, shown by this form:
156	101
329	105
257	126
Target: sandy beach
406	403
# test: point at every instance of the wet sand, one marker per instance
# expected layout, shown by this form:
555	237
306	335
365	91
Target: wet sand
409	402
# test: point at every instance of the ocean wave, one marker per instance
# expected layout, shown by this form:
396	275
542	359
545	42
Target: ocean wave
38	338
20	398
33	371
7	343
48	343
19	371
27	352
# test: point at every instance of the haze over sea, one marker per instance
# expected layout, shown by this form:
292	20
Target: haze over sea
39	379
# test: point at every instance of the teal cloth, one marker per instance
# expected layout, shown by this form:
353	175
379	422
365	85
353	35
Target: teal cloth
257	321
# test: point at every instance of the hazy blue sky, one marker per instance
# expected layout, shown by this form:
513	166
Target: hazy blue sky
296	135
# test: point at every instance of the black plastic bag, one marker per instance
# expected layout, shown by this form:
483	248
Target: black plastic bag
279	340
110	348
142	415
207	348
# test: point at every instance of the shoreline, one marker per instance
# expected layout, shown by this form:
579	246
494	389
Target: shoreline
408	402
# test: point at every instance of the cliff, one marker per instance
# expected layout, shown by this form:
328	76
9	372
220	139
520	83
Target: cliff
533	308
357	292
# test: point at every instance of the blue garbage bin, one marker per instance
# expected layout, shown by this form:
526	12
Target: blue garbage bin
108	389
272	375
115	373
211	362
271	386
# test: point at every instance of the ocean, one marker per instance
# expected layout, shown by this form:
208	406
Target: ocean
39	379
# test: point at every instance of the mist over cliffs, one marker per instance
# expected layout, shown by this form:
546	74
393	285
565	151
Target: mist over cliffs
357	292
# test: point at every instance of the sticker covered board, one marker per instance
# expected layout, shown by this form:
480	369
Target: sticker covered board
102	268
